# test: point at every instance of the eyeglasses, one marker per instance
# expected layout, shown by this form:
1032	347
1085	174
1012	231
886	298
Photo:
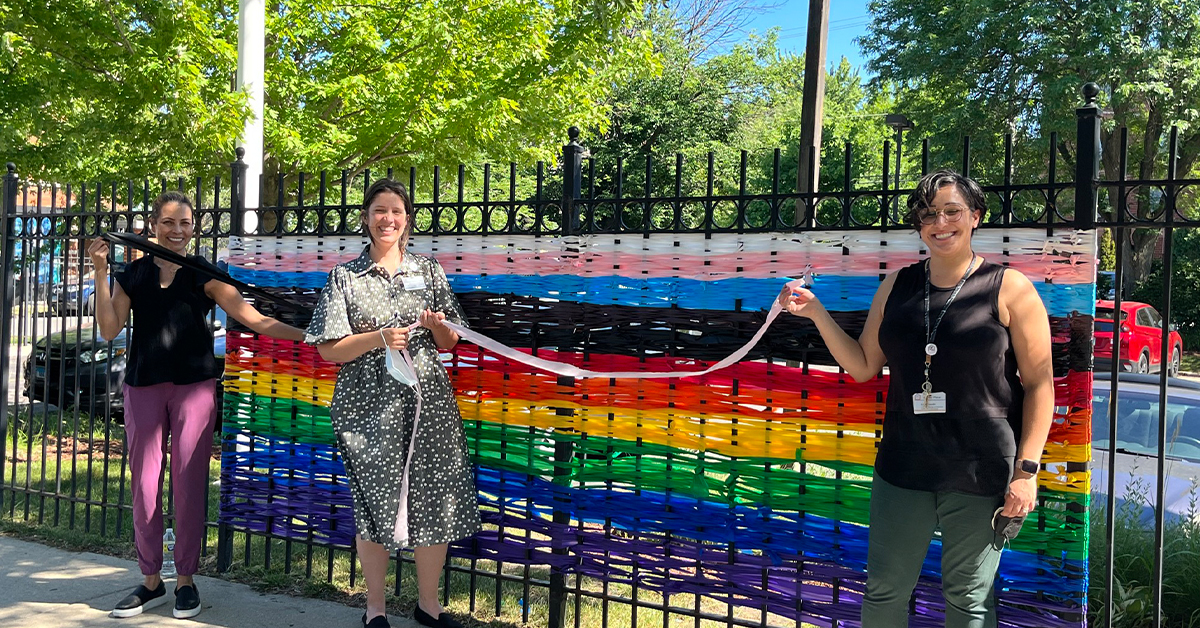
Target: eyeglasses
953	213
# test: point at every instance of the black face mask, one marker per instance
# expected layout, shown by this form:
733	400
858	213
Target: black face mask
1007	527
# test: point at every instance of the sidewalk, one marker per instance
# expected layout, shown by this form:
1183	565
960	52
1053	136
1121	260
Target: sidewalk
43	587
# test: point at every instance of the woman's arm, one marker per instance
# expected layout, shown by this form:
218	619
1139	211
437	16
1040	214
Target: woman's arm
862	359
112	308
1029	327
352	346
232	302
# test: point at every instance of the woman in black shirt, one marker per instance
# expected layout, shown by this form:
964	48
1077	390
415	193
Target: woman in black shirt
969	404
170	388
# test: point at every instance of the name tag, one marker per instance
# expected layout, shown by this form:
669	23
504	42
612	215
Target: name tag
933	403
416	282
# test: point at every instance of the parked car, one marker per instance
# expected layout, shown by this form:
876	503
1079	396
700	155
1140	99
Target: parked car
73	298
77	369
1141	339
1136	459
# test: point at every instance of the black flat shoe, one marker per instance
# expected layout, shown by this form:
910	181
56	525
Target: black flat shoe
187	602
141	599
379	621
443	620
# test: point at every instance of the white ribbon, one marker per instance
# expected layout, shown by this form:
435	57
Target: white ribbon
558	368
400	366
568	370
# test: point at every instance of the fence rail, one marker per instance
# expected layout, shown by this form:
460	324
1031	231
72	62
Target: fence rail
61	459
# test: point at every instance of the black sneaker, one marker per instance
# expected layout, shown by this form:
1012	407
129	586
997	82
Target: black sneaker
187	602
140	600
443	620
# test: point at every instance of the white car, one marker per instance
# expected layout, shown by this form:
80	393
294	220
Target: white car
1136	459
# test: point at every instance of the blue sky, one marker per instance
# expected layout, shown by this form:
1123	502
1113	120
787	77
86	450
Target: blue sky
847	20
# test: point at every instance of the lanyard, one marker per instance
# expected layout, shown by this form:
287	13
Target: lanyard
931	333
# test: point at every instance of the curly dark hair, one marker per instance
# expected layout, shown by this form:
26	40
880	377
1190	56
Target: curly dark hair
928	187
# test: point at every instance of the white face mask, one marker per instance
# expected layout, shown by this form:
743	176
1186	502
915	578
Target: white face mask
400	369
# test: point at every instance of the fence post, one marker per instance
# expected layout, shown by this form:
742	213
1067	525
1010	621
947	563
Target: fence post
1087	163
9	205
564	449
237	192
237	211
573	153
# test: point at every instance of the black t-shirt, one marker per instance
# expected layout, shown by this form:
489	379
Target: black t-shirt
172	342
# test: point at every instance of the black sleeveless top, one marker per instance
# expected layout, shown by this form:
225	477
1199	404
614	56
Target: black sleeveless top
972	446
171	342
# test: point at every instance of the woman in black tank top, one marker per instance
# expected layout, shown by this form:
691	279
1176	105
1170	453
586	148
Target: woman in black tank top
970	401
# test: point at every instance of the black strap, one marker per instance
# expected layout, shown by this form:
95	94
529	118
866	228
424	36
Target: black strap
142	244
930	334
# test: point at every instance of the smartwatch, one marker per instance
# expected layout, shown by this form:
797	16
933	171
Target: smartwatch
1028	466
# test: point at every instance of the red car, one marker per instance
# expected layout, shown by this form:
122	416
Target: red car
1141	339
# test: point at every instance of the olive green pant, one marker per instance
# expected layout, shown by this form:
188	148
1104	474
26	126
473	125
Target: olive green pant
902	524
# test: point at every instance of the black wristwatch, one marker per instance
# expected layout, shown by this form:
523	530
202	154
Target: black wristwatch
1027	466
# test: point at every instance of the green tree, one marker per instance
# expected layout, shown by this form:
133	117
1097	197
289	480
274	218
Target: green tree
128	87
461	81
749	97
117	88
984	68
1185	286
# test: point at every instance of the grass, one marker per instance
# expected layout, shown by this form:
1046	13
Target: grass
1190	362
56	520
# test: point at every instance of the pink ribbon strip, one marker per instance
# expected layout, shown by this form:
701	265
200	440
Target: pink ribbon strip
568	370
400	534
565	370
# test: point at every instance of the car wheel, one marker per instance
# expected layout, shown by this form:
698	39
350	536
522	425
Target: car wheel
1176	361
1143	365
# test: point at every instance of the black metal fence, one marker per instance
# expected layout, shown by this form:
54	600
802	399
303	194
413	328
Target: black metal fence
60	408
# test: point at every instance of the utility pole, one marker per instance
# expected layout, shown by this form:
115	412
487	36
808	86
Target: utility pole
812	113
252	43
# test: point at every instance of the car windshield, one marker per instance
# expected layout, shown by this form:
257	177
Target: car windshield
1137	423
1104	326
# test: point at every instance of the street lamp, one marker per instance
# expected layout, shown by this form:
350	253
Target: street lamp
900	123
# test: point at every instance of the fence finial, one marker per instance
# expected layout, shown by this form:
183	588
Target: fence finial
1087	158
573	133
240	152
12	168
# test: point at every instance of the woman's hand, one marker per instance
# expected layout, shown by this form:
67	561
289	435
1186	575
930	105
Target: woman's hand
394	338
1021	498
98	251
432	320
800	302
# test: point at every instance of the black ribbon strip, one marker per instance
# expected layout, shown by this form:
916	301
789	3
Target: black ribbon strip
146	246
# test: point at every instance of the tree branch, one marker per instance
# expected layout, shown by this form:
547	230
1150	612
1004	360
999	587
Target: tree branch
117	27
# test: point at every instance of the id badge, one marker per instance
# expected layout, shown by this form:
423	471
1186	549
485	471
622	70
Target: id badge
932	403
415	282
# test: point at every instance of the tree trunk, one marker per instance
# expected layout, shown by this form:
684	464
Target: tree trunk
1139	256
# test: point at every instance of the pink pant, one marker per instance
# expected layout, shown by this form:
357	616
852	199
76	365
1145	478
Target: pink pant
186	413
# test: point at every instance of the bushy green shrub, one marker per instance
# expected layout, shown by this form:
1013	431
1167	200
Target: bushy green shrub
1133	561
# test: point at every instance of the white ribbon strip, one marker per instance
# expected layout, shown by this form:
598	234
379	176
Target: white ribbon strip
400	534
558	368
568	370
